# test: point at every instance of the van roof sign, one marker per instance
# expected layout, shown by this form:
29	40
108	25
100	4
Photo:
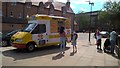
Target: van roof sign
48	17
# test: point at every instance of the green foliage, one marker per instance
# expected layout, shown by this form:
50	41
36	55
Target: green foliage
110	16
83	20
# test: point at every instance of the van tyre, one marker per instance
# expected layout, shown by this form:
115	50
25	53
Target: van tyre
30	47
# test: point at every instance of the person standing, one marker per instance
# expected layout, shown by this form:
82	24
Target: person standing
62	40
113	36
98	37
74	39
95	37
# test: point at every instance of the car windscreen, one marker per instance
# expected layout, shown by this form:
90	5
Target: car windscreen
29	27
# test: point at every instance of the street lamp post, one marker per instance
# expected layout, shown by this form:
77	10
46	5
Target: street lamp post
92	4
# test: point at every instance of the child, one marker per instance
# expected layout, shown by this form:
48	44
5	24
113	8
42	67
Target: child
74	38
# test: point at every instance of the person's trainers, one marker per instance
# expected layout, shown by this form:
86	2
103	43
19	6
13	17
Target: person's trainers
76	51
63	52
100	49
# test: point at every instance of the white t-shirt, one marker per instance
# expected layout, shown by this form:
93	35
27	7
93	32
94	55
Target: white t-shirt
113	35
98	37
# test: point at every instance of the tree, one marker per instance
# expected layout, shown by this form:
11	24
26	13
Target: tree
113	9
110	16
83	21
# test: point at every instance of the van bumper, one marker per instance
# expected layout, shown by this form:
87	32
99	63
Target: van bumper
19	46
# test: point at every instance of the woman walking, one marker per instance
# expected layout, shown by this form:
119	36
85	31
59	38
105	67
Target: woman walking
62	40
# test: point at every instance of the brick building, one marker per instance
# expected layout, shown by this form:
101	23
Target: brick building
14	14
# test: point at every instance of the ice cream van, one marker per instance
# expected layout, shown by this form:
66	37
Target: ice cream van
41	30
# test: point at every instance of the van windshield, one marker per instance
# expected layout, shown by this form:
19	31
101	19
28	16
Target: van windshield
29	27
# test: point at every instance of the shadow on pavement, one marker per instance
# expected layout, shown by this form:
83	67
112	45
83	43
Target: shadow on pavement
113	55
22	54
59	56
99	51
87	45
72	54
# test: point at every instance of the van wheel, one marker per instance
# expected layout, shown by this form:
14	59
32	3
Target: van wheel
30	47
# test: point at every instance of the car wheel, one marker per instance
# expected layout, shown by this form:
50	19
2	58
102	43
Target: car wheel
4	43
30	47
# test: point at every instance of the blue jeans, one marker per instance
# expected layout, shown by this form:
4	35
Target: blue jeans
112	46
62	44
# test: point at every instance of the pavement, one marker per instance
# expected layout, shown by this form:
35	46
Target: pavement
87	55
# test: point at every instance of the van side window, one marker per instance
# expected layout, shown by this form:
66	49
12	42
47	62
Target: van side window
60	23
41	28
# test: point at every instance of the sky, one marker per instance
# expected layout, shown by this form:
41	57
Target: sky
79	5
83	5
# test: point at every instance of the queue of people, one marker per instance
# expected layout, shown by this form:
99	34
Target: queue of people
109	43
63	40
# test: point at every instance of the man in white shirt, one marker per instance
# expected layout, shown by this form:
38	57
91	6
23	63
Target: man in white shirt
113	36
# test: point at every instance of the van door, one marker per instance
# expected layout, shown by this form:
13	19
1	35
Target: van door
41	32
38	34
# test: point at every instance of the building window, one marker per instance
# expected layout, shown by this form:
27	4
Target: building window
20	15
11	25
28	5
11	14
41	6
64	10
51	10
13	3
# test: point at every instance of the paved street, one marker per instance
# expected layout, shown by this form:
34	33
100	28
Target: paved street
87	55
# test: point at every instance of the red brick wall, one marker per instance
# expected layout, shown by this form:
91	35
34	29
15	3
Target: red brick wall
4	8
30	11
46	11
18	9
57	13
22	8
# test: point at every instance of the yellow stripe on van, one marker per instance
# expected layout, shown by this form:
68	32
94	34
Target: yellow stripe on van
54	36
57	36
68	35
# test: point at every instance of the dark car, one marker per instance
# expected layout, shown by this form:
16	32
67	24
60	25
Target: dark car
6	38
104	34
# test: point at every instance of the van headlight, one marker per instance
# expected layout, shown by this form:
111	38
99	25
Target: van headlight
18	40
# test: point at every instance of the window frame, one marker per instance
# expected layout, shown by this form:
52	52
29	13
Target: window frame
11	14
37	28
